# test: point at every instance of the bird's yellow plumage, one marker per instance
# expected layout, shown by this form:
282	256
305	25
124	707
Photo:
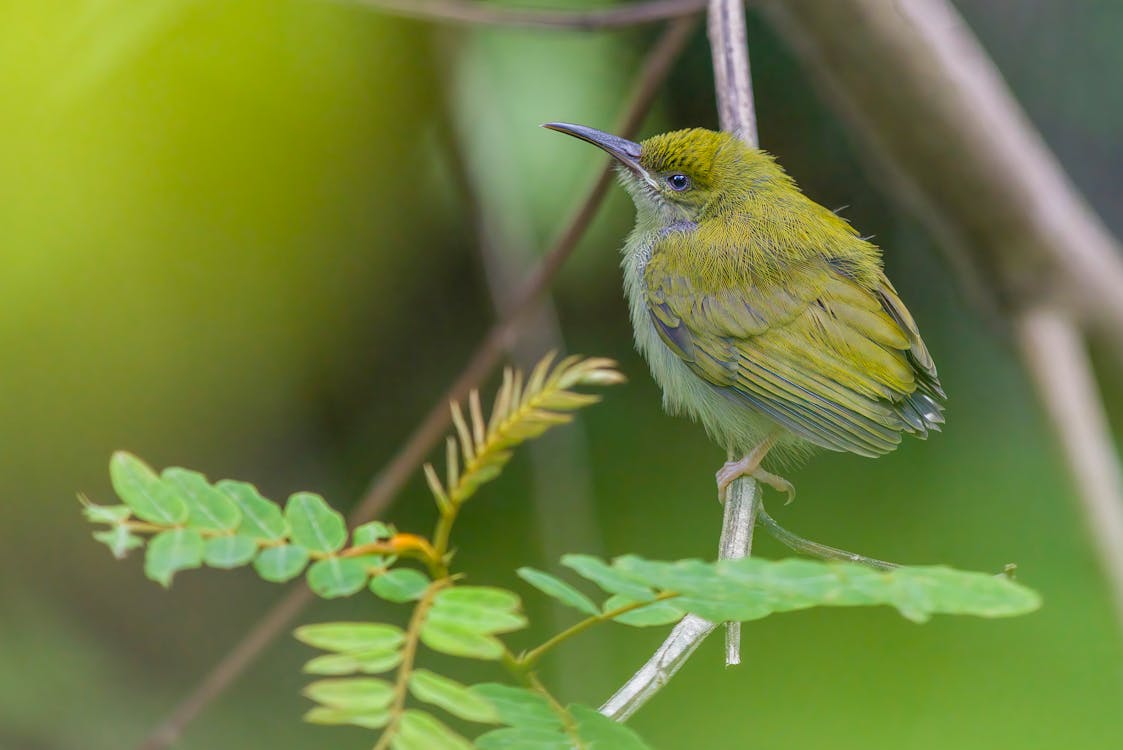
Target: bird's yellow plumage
761	313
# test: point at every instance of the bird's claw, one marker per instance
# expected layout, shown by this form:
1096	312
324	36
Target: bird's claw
777	483
749	466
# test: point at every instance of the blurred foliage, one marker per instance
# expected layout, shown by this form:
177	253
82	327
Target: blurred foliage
231	241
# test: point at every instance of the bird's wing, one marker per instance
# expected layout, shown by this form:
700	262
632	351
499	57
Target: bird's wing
835	360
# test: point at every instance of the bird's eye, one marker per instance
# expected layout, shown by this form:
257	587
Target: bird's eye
678	182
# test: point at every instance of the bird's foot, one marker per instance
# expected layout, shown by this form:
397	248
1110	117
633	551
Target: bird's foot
749	466
732	470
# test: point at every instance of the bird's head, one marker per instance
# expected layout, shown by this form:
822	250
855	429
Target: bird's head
684	175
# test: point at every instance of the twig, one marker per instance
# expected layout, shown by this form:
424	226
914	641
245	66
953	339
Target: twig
729	48
1056	358
684	639
464	12
394	475
815	549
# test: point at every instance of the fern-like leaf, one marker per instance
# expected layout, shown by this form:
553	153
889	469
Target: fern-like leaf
523	410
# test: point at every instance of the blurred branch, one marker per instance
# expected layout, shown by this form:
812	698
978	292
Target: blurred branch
1056	358
466	12
736	112
921	94
428	433
562	485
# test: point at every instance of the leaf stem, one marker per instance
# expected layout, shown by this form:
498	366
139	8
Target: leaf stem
409	653
527	661
567	721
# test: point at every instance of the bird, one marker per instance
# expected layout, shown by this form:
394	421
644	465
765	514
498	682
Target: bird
761	313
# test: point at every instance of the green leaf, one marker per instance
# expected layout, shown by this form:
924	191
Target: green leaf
420	731
314	525
400	585
602	733
524	738
453	697
652	613
558	589
339	716
172	551
481	609
611	579
519	707
370	532
119	540
229	551
449	638
752	588
106	513
489	597
207	508
365	662
280	564
351	637
352	693
334	577
261	518
139	487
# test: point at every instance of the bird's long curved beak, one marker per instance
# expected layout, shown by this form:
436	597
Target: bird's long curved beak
624	151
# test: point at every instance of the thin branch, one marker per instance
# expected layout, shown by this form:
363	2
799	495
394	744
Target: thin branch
428	433
676	650
815	549
733	84
1056	358
733	81
729	49
464	12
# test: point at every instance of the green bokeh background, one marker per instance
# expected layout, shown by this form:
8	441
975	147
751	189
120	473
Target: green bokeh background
232	240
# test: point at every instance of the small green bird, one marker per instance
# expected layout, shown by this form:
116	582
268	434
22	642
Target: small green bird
761	313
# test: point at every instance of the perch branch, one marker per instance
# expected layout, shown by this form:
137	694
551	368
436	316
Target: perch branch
1058	363
733	83
463	12
420	442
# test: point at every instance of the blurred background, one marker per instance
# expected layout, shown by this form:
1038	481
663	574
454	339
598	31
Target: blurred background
236	238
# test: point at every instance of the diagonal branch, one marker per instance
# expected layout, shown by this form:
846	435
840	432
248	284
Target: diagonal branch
470	12
428	433
921	95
